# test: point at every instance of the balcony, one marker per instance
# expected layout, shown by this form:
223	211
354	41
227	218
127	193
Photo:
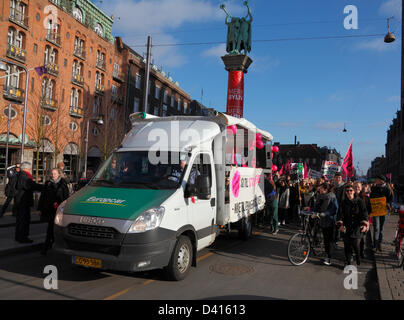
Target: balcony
99	88
119	77
16	53
18	18
52	68
80	53
13	93
49	104
78	79
53	37
101	64
76	112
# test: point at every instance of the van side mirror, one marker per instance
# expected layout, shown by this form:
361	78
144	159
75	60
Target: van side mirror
203	186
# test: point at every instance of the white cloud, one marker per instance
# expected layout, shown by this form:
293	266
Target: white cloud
335	97
134	20
375	45
329	125
394	99
391	8
215	52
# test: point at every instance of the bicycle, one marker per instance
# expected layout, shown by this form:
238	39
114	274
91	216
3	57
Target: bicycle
308	240
398	239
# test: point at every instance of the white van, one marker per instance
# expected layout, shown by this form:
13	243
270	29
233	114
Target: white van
165	193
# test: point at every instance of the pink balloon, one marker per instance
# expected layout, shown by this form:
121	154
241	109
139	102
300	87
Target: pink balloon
260	144
234	129
275	149
258	136
274	168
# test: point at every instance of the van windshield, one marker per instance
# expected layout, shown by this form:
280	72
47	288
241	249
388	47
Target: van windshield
133	169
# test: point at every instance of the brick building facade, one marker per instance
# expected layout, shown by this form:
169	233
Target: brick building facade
88	72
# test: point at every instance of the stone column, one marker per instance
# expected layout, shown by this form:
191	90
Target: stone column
237	66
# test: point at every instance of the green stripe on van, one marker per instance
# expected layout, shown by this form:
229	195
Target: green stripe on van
118	203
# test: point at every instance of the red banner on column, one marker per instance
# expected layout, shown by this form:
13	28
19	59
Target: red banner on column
235	94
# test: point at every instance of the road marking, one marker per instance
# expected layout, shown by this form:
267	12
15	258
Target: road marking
116	295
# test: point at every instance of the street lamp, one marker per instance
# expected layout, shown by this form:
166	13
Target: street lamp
3	67
389	37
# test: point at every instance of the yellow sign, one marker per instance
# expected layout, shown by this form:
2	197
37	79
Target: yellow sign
379	207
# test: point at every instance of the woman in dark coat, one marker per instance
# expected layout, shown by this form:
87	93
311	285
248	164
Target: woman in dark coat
55	191
353	222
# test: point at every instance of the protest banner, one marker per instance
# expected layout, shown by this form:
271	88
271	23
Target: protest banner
329	169
379	207
314	174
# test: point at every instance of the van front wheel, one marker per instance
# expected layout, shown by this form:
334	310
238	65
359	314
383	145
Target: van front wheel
181	259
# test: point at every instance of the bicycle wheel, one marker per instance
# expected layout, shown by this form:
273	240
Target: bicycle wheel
298	249
399	252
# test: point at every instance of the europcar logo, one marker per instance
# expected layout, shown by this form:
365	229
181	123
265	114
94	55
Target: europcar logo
107	201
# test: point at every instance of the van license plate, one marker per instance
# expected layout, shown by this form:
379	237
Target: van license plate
87	262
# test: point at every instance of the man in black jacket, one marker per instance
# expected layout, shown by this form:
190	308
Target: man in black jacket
23	201
10	187
380	190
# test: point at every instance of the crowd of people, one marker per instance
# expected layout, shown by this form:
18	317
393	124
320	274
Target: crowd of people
345	210
21	187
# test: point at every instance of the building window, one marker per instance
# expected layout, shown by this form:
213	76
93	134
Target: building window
95	131
13	112
73	126
96	106
138	81
65	63
186	107
99	29
77	14
156	111
114	90
35	47
136	105
75	97
157	93
172	100
164	110
46	121
113	114
165	98
115	71
179	104
150	84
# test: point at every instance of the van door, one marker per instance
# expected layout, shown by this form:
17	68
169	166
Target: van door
203	212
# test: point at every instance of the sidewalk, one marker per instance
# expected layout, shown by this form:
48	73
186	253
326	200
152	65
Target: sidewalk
390	277
7	232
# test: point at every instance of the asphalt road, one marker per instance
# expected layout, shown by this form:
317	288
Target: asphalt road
230	269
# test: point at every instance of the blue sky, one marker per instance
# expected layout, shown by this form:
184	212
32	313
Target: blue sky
307	88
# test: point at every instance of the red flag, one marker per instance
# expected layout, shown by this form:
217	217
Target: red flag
347	165
281	172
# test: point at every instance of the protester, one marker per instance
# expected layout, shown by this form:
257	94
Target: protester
23	201
10	187
380	190
271	205
55	191
327	206
352	222
283	202
360	192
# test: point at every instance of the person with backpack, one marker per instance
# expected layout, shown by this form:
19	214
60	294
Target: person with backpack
10	187
55	191
327	206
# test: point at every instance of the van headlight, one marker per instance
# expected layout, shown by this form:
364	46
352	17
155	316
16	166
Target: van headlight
148	220
59	213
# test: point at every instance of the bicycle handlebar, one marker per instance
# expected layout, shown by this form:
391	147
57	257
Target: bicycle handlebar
311	214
